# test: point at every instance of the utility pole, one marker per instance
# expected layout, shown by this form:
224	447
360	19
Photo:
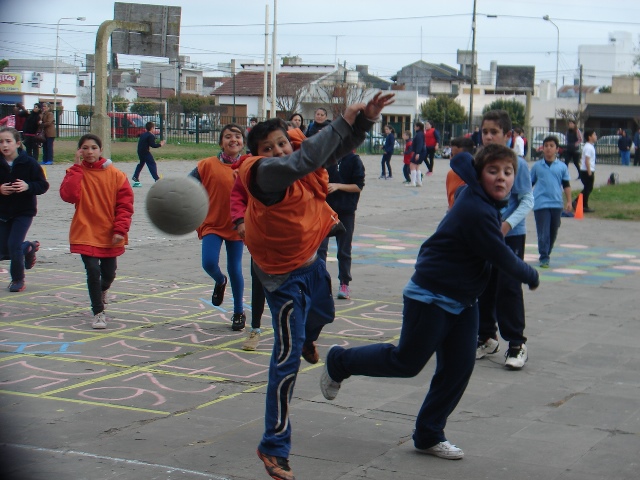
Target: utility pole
473	66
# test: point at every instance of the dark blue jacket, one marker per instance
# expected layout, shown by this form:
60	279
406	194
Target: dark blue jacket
349	169
23	203
624	143
456	260
389	144
315	127
146	141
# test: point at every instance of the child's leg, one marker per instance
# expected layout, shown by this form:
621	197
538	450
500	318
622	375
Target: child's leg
543	223
257	299
406	171
455	362
387	159
234	268
383	163
92	265
153	168
139	167
18	228
344	241
108	268
211	256
322	309
554	224
288	314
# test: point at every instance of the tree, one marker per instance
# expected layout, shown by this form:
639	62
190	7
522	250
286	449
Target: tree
3	64
120	104
513	107
443	109
84	111
190	103
337	95
145	106
605	89
577	116
289	93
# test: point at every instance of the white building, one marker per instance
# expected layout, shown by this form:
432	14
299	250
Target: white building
600	63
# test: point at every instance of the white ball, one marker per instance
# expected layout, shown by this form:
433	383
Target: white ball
177	205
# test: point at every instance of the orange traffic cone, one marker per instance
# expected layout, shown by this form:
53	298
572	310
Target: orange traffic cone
579	213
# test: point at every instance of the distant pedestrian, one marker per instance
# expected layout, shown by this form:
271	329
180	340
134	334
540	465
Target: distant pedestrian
31	128
572	149
49	130
146	142
387	148
408	155
419	153
518	142
319	122
636	141
551	194
624	145
459	146
431	142
588	169
476	136
297	121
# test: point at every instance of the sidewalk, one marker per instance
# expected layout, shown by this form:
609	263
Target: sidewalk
167	393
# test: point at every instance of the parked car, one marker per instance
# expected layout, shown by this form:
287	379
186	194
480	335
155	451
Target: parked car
607	146
538	138
128	125
377	141
203	124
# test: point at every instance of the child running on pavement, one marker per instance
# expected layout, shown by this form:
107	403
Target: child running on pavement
104	206
217	177
287	218
440	301
21	179
146	142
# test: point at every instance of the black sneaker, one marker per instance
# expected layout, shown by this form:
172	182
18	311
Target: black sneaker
277	467
238	321
218	293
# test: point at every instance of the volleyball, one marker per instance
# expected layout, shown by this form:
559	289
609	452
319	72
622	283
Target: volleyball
177	205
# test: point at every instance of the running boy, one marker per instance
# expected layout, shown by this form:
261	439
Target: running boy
286	219
550	179
440	312
502	302
21	179
104	207
146	142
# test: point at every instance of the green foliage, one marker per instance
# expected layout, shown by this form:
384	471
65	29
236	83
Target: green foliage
191	103
441	109
513	107
120	104
605	89
84	111
145	106
3	64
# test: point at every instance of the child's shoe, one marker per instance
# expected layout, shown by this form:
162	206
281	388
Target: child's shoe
238	321
136	182
218	292
99	321
251	343
17	286
30	256
345	292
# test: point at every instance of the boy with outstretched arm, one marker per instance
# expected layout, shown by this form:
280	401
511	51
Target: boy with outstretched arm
287	218
440	313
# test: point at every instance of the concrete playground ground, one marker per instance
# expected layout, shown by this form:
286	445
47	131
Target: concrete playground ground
166	392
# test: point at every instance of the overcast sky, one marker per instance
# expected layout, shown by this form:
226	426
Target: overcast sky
385	35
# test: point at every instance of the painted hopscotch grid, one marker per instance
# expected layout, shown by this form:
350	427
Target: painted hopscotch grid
167	350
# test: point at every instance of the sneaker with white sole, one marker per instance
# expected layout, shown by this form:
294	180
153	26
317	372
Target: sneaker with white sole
516	357
345	292
251	343
99	321
444	450
328	386
488	347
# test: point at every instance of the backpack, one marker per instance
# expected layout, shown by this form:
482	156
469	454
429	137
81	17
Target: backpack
613	179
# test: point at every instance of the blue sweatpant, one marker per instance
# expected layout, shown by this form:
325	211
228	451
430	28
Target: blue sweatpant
147	159
300	307
211	245
426	329
13	245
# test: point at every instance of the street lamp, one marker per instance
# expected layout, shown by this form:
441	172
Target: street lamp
55	68
555	103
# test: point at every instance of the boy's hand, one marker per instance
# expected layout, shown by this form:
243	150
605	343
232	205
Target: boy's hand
20	186
377	103
6	188
117	238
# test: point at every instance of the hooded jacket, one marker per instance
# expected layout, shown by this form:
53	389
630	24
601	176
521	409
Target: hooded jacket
456	260
24	203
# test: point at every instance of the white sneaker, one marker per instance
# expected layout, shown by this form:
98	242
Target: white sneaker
489	347
516	357
99	321
251	343
328	386
443	450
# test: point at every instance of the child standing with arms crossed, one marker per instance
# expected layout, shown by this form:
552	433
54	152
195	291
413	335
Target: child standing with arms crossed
217	177
146	142
104	207
286	220
21	179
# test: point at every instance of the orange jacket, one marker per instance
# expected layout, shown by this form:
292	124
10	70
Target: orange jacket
283	236
217	178
104	206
